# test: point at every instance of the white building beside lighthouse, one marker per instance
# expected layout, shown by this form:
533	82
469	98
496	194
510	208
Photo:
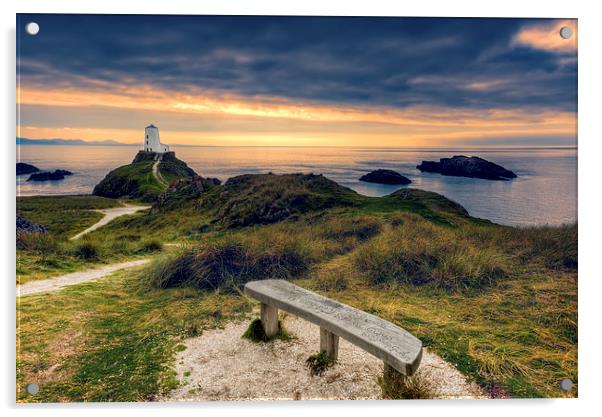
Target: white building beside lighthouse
152	143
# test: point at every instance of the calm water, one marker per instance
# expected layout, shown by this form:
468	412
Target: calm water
544	192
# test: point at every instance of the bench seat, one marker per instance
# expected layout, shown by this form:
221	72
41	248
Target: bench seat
395	346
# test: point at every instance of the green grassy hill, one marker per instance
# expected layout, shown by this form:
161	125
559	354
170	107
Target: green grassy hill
137	180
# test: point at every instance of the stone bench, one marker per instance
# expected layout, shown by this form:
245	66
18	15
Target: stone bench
398	349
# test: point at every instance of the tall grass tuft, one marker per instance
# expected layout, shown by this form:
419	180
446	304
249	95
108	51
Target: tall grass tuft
43	243
400	387
230	262
419	253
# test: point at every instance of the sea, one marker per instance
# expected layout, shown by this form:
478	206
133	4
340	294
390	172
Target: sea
545	191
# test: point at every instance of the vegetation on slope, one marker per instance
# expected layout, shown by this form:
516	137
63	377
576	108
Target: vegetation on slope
137	180
110	341
64	216
263	199
42	255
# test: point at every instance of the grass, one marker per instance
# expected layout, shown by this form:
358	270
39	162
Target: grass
418	252
519	336
64	216
133	180
44	256
396	386
110	340
318	363
285	250
40	256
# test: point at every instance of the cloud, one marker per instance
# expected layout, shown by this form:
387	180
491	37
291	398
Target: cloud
546	36
319	59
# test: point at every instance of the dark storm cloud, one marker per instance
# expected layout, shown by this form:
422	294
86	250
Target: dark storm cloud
395	62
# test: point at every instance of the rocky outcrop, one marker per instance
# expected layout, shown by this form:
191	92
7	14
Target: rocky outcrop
27	226
23	168
58	174
152	156
385	176
183	190
464	166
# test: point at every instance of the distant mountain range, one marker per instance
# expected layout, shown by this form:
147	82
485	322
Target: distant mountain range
76	142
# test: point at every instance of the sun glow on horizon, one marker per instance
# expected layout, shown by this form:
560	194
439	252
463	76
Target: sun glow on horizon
314	123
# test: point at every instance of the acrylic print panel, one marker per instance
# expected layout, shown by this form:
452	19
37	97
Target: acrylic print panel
252	208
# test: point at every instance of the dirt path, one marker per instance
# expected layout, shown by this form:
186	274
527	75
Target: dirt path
157	174
55	284
219	365
110	214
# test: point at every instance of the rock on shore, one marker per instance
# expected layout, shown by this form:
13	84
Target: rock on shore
385	176
27	226
23	168
58	174
464	166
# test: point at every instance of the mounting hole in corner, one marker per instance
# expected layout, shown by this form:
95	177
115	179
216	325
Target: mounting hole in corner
566	32
32	28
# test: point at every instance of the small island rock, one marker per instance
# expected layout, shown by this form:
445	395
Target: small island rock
464	166
385	176
23	168
58	174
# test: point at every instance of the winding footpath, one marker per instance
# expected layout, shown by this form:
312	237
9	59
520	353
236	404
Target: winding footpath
110	214
57	283
157	174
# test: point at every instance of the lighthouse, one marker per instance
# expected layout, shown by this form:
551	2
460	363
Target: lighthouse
152	143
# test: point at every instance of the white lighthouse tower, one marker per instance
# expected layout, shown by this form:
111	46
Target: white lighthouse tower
152	143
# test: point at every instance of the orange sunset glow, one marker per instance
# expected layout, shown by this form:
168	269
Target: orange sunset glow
333	125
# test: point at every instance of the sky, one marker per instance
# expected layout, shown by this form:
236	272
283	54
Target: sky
298	81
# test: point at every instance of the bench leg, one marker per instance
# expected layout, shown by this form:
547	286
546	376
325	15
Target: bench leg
329	343
269	319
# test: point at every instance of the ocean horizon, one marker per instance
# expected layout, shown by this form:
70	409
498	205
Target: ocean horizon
545	191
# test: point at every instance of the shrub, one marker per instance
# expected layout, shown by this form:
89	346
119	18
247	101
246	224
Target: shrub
230	262
87	251
318	363
256	333
151	246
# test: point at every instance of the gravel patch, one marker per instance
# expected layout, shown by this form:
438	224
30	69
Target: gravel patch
220	365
